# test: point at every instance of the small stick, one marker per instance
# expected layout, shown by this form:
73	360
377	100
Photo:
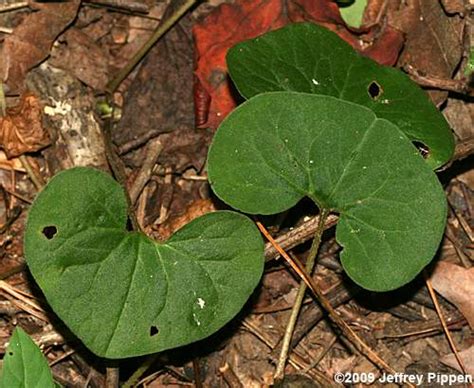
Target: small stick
229	376
197	373
14	6
464	224
127	5
458	86
464	149
118	169
360	345
152	152
112	375
280	369
19	196
295	359
6	30
163	27
443	322
321	355
37	179
140	140
134	379
297	236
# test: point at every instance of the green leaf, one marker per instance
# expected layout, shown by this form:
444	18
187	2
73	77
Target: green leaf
311	59
24	365
279	147
469	69
353	12
123	294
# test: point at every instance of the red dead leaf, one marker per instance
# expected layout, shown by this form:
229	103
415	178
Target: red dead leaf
31	41
21	130
247	19
456	284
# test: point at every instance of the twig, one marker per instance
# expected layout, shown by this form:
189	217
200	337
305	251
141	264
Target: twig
464	149
229	376
321	355
37	179
22	301
152	152
12	271
295	359
14	6
360	345
19	196
443	322
112	377
297	236
140	140
118	168
6	30
280	369
134	379
163	27
197	373
127	5
458	86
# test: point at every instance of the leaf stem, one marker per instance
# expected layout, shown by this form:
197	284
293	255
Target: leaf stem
313	252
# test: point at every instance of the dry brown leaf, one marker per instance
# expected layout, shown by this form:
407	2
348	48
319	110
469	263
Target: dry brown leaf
31	41
456	284
466	355
21	129
195	210
82	57
184	148
433	42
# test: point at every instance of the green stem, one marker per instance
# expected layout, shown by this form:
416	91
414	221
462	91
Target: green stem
159	32
135	377
310	261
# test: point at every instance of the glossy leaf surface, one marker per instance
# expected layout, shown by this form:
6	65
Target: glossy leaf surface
308	58
123	294
279	147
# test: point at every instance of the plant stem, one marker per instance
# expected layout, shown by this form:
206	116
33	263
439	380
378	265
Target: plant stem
313	252
163	27
134	379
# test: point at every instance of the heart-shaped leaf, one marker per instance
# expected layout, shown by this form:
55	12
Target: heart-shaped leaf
24	365
123	294
309	58
279	147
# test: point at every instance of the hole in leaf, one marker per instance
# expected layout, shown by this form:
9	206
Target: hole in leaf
422	149
153	331
374	90
49	231
10	353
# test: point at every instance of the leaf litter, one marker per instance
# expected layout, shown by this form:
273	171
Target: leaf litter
178	179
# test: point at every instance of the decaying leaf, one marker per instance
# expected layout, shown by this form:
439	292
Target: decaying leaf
184	148
244	19
160	96
434	43
467	356
21	129
193	211
456	284
31	41
82	57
